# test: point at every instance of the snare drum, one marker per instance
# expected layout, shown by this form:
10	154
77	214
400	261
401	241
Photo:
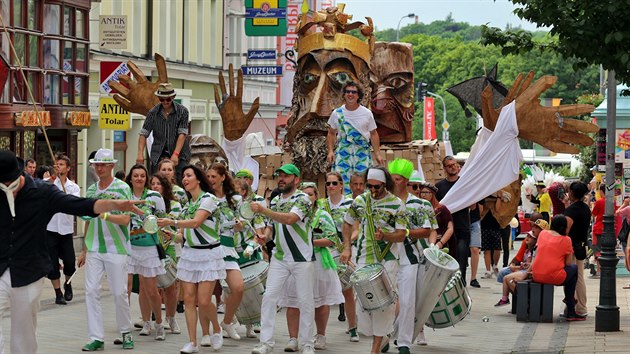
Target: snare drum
344	271
254	280
167	279
373	287
453	305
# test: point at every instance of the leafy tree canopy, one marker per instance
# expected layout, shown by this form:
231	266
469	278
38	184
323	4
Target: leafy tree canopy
587	32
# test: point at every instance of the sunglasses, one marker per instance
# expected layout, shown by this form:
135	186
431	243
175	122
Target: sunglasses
354	92
415	187
373	186
332	183
166	99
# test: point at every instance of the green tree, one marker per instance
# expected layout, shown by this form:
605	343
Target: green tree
589	32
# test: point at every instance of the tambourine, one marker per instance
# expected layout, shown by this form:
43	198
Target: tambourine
150	225
246	211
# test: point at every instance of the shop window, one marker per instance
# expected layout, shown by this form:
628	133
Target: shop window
68	63
51	54
52	19
5	140
33	46
52	89
32	15
80	24
81	58
68	81
17	14
67	22
80	98
29	144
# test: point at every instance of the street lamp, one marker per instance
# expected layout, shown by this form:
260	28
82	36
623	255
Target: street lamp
398	29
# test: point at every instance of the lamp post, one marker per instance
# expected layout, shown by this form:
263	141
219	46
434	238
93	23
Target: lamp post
607	311
398	28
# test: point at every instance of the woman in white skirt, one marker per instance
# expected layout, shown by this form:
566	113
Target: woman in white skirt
162	185
327	288
201	263
144	259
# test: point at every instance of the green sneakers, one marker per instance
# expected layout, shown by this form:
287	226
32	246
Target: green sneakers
94	346
127	341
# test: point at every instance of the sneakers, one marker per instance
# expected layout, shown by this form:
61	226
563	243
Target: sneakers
159	332
59	300
216	340
93	346
475	284
249	331
172	323
354	337
292	345
403	350
67	292
229	331
308	349
385	344
146	329
502	303
421	339
263	348
320	342
205	341
221	308
495	271
575	317
487	275
118	341
189	348
139	323
127	341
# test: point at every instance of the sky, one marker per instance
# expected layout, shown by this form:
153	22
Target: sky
387	13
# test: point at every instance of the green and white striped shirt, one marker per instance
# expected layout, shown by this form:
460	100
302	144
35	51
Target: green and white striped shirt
294	243
387	213
180	195
103	236
227	217
418	218
208	232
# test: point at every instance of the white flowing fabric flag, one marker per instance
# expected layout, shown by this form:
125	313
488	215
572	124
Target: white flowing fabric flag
235	152
491	166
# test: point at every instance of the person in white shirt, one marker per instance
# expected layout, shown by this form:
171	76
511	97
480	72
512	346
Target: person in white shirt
60	231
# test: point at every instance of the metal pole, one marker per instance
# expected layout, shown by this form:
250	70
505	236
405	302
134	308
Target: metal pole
445	136
607	311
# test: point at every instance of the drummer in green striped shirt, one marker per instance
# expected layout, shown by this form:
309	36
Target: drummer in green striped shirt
382	224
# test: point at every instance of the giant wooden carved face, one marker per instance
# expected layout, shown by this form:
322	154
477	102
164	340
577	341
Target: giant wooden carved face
392	91
316	93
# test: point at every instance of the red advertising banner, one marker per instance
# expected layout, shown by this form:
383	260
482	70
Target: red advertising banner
429	119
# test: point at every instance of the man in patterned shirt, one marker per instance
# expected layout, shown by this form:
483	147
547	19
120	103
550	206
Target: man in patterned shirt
382	223
421	223
106	249
290	214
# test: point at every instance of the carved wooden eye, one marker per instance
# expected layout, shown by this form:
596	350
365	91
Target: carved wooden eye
340	78
397	82
309	78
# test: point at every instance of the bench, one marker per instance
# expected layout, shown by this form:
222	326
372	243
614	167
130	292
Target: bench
533	302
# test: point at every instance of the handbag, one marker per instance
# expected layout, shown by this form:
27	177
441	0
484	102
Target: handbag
160	250
579	250
623	233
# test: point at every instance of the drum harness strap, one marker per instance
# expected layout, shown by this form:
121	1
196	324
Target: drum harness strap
380	254
324	254
338	243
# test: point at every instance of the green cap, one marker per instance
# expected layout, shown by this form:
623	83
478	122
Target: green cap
244	173
289	169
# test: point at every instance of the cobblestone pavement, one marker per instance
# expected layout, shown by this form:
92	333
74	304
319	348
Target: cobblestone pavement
62	329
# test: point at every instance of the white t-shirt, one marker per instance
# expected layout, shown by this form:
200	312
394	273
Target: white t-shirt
61	223
361	119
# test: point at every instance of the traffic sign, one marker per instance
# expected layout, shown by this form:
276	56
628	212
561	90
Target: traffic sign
262	70
445	125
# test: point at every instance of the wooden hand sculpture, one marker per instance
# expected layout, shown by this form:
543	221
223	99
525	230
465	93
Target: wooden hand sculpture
235	121
543	125
137	95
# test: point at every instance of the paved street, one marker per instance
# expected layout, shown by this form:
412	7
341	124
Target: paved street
62	329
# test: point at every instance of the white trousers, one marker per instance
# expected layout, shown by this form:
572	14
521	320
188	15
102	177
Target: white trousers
408	278
115	266
24	304
277	277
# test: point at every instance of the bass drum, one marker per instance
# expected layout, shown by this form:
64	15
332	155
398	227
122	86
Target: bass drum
453	305
254	280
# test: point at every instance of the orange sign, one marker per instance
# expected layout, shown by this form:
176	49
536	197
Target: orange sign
29	119
79	119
